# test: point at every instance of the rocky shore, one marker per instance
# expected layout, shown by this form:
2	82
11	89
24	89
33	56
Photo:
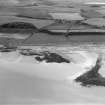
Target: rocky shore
47	56
92	77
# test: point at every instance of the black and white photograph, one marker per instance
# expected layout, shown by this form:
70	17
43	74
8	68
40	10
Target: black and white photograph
52	52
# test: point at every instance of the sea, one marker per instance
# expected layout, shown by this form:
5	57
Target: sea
23	80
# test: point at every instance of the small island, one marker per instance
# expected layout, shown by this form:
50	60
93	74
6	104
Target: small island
46	56
92	77
50	57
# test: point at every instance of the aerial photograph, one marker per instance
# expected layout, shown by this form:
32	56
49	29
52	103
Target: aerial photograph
52	52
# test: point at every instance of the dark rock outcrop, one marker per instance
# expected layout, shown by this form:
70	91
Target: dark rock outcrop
51	57
92	77
44	56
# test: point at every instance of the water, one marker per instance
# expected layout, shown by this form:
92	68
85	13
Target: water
23	80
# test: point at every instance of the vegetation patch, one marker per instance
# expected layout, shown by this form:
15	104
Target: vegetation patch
16	27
